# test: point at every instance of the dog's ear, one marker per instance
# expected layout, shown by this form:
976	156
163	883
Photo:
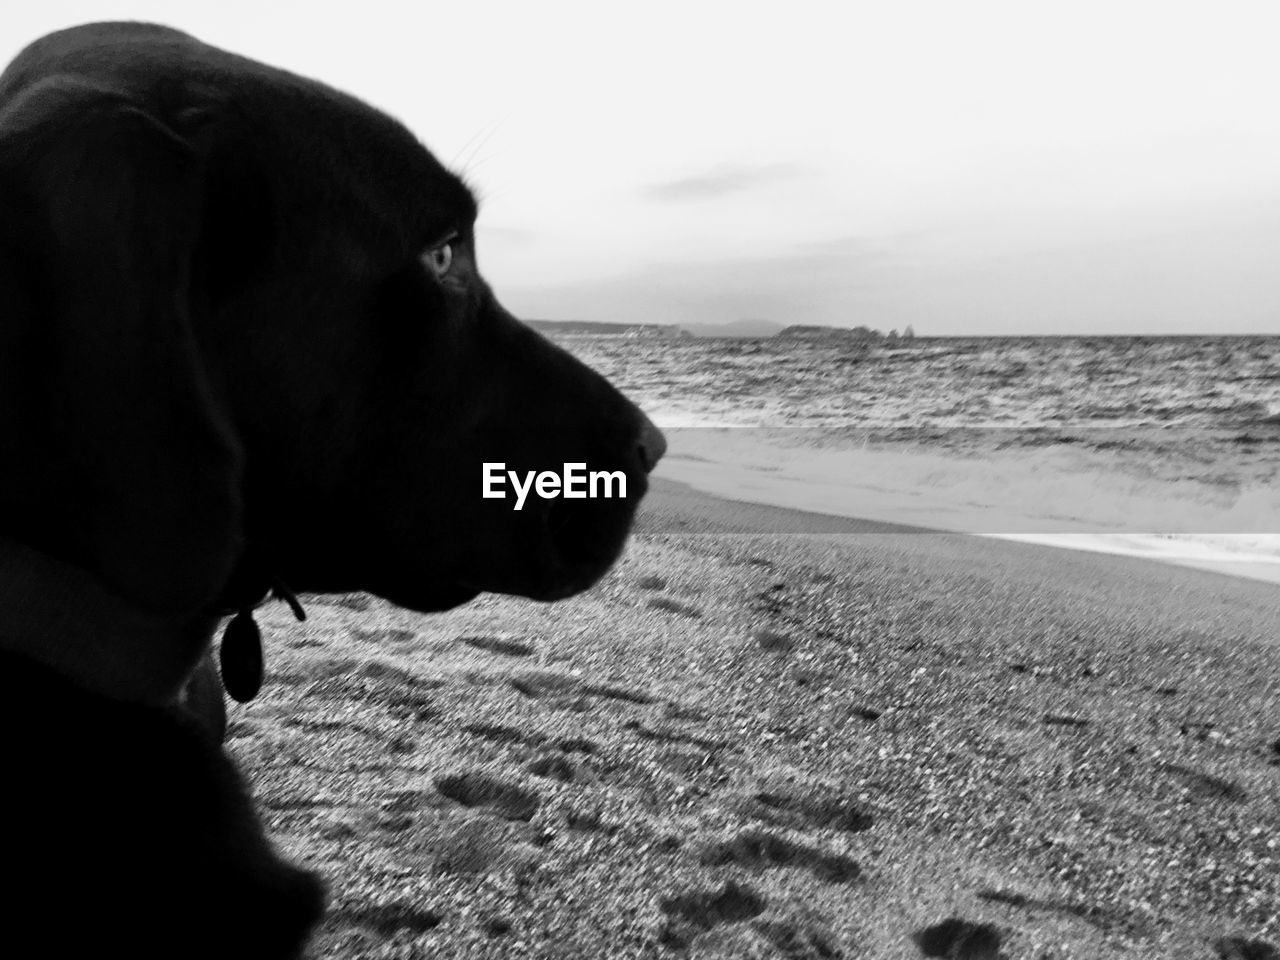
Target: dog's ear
116	457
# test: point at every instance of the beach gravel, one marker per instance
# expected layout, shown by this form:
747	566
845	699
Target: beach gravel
761	736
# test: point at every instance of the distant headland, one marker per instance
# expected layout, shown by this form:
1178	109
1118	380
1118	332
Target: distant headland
736	329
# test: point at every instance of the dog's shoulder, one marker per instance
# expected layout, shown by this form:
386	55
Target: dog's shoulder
143	825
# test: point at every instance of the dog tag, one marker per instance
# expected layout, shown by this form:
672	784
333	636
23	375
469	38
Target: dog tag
241	658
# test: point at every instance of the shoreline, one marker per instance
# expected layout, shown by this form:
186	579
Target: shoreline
821	493
676	508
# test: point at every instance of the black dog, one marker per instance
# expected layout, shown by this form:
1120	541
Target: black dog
244	342
126	830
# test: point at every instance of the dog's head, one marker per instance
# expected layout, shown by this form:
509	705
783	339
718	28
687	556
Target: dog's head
244	323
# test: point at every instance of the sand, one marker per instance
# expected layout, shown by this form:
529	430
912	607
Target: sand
863	742
1053	495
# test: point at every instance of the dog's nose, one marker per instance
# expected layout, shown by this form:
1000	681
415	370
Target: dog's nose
652	444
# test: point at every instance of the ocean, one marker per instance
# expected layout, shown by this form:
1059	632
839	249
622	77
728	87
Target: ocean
1167	447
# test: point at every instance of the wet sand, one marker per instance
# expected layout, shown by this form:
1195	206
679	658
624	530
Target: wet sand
845	739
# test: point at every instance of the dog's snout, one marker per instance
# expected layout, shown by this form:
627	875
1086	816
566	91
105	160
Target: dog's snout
652	444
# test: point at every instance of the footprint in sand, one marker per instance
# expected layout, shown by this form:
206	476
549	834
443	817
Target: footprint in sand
1205	784
385	637
497	925
1104	918
686	713
646	732
537	684
695	912
553	766
613	692
405	697
318	671
347	680
353	601
588	820
812	808
503	735
472	847
384	921
1089	913
1238	948
767	638
773	601
796	940
388	673
411	706
477	789
957	939
692	765
547	684
676	606
507	647
1197	730
760	850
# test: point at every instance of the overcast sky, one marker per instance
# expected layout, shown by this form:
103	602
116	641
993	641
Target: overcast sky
964	167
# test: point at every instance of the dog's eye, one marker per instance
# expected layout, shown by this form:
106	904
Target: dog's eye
440	257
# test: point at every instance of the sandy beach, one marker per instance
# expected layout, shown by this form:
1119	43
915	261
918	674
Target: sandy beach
1055	495
771	734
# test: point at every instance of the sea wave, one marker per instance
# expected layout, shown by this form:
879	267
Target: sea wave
1176	440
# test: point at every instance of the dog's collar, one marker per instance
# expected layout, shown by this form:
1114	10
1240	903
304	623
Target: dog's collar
61	616
240	656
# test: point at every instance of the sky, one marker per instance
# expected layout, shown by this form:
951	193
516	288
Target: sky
971	167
